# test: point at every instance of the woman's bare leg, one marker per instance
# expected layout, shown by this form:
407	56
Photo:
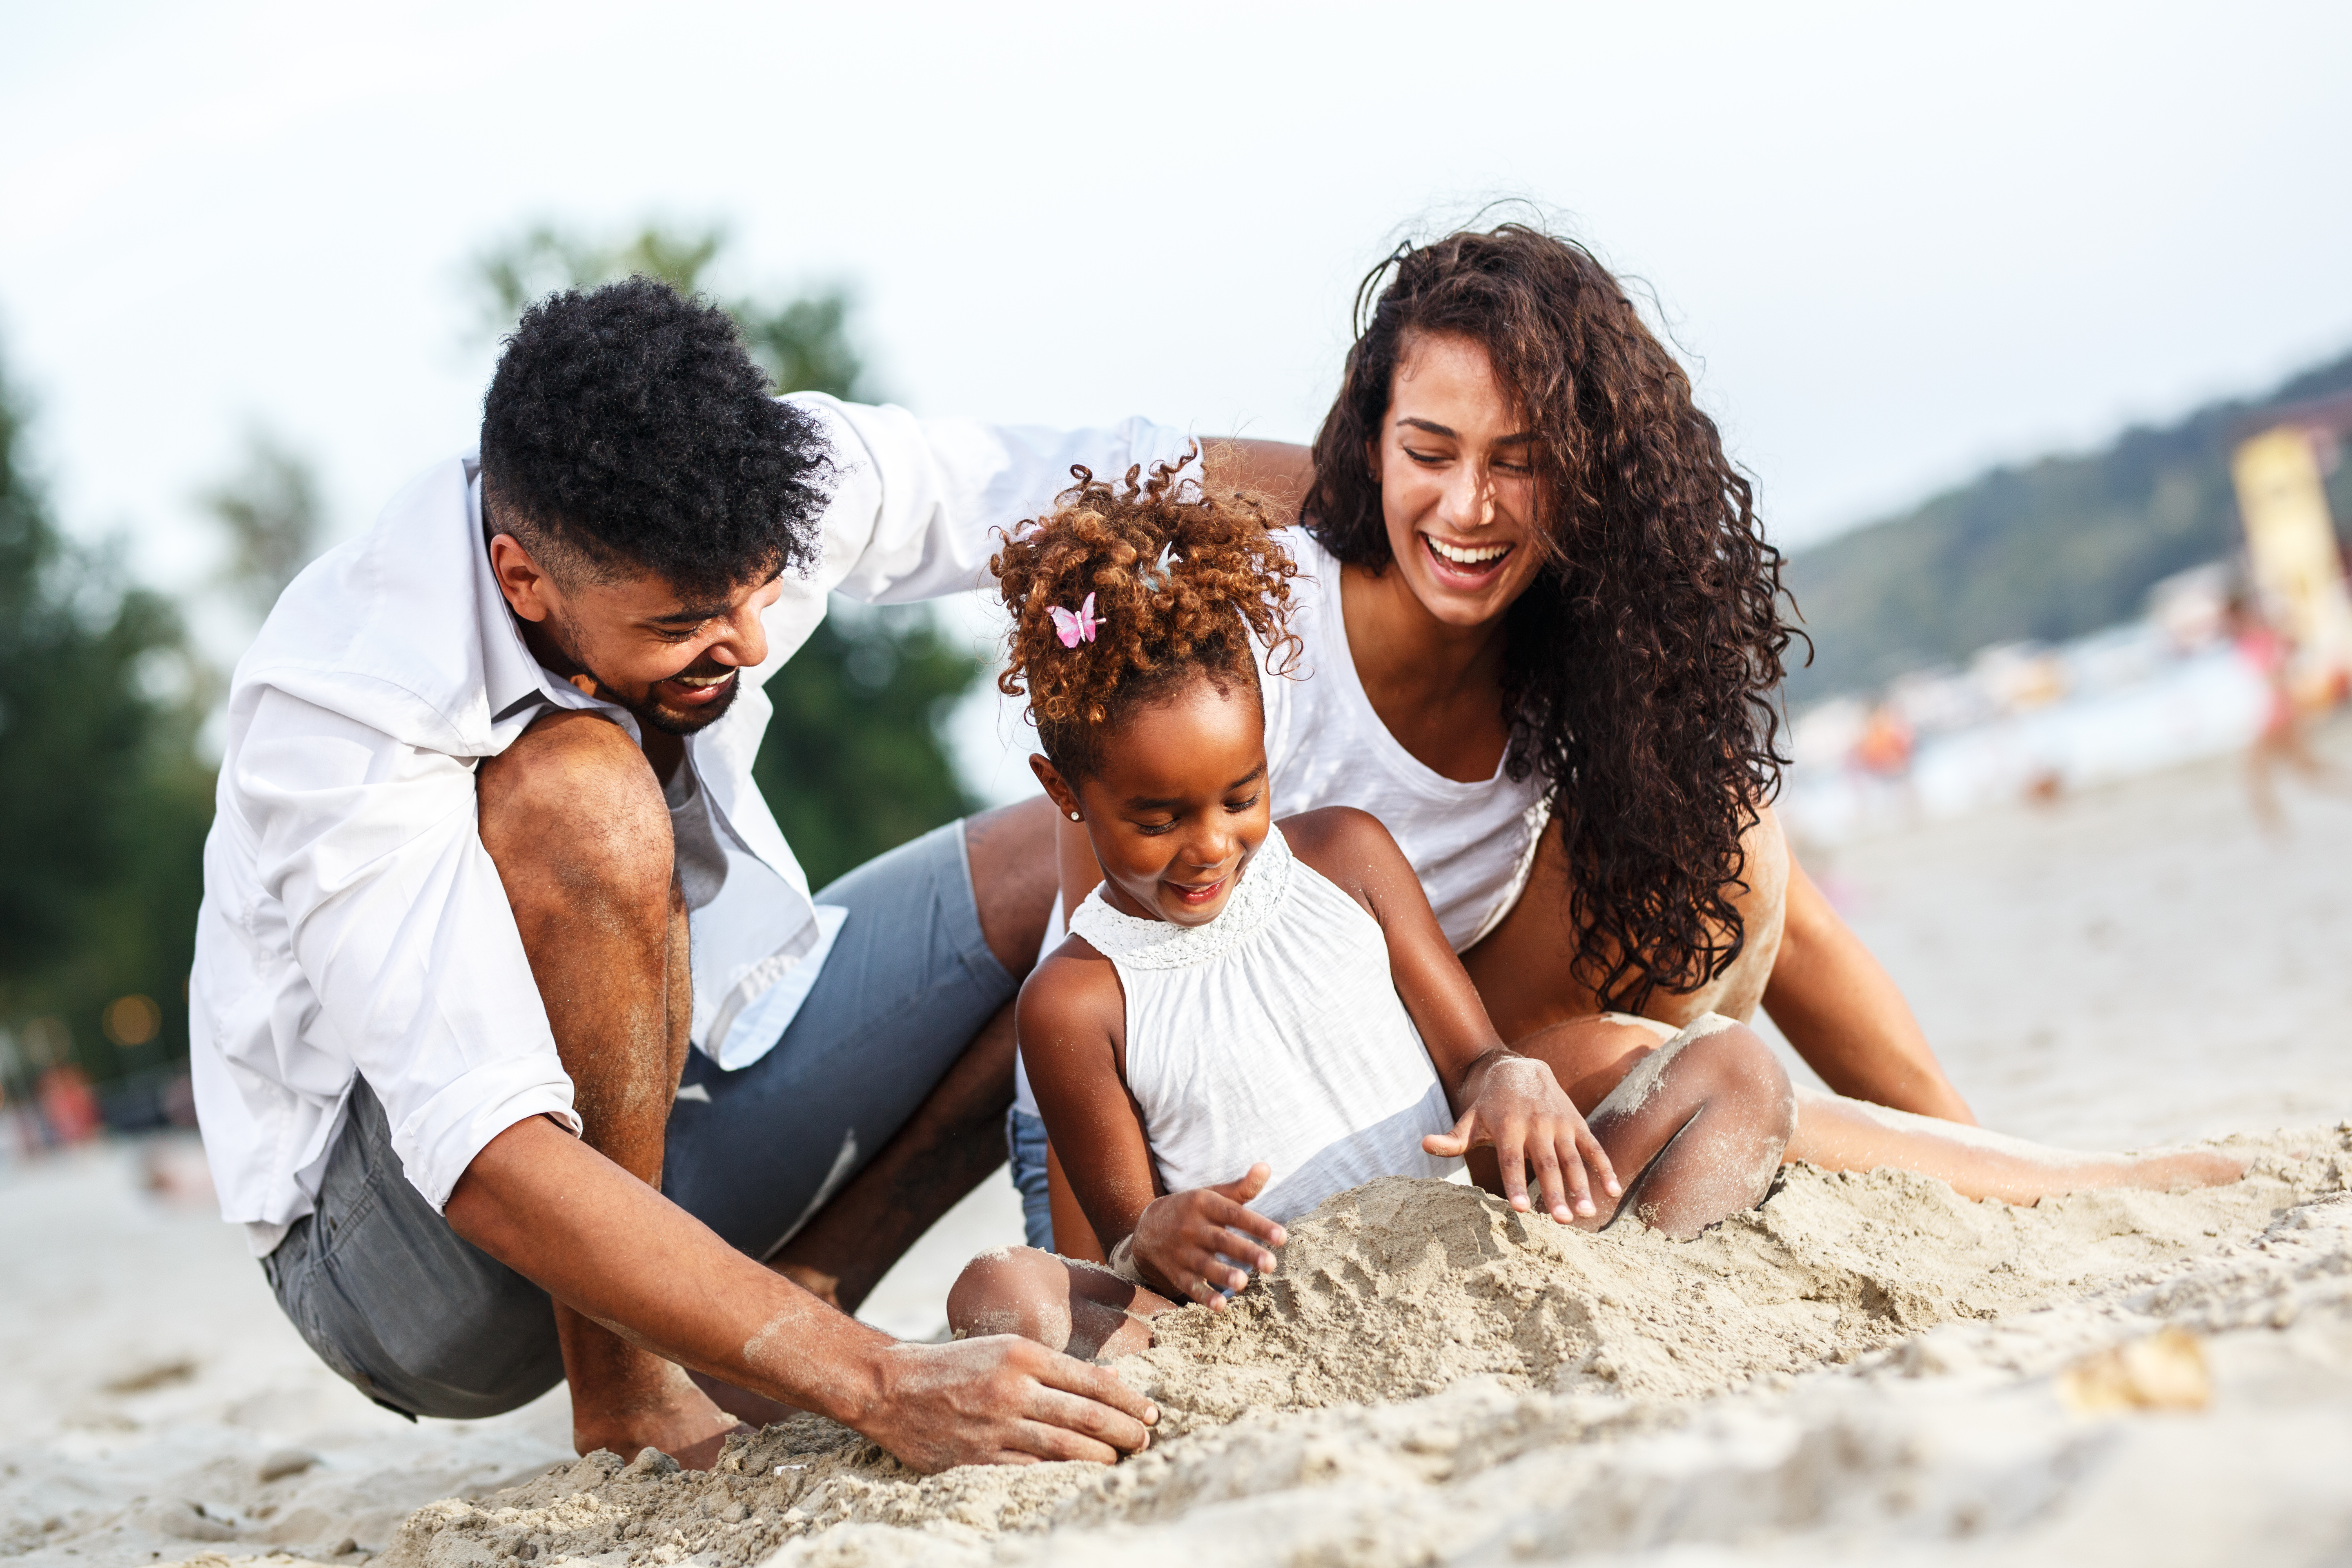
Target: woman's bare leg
1081	1308
1591	1056
1695	1127
1840	1134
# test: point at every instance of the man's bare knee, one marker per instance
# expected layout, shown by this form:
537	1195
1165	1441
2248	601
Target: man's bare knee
572	808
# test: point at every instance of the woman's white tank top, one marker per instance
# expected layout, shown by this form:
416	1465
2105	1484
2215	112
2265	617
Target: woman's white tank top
1272	1033
1472	845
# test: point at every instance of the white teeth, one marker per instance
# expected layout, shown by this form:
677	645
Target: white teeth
1473	555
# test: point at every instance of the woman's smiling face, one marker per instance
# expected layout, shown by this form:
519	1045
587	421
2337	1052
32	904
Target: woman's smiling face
1457	482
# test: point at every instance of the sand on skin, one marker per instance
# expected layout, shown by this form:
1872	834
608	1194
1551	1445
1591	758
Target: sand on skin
1878	1376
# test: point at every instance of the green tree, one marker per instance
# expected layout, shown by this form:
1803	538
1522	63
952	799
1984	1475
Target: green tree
855	761
274	520
802	342
104	805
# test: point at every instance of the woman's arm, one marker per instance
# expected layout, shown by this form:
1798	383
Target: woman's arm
1840	1009
1845	1014
1499	1096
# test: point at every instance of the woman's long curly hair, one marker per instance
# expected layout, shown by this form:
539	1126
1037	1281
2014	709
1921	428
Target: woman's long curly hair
1641	665
1187	585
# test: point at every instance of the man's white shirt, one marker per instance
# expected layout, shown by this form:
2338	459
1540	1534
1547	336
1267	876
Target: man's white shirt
353	924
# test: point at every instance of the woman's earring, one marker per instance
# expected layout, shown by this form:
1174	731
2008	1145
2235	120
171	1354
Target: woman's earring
1074	816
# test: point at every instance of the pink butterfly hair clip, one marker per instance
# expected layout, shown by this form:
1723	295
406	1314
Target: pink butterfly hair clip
1075	626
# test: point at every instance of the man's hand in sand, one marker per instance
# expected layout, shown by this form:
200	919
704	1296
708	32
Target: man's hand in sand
1518	1106
1179	1237
1003	1400
614	1251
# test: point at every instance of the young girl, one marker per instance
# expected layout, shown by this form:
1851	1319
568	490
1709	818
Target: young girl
1249	1015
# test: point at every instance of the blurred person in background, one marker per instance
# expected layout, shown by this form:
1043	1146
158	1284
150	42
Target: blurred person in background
1543	645
2282	740
521	1048
69	1105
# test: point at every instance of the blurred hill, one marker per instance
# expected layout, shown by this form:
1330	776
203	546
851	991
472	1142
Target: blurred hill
2051	549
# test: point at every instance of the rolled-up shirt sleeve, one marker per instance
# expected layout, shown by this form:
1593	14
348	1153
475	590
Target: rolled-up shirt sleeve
399	922
916	501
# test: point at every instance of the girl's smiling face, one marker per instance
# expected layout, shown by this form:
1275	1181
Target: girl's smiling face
1180	802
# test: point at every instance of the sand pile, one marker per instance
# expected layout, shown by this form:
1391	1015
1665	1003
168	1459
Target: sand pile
1423	1348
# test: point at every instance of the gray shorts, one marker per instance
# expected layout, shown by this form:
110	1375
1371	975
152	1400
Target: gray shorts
425	1323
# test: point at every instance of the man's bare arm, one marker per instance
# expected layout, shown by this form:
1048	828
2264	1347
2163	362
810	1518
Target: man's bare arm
600	1240
1847	1017
1279	471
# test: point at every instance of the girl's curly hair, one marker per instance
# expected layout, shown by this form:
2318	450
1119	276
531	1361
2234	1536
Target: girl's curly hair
1641	666
1187	583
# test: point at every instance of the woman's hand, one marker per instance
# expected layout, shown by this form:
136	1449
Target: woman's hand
1521	1109
1177	1239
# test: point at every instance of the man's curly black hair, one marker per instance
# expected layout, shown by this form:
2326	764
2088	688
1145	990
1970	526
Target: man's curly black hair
626	431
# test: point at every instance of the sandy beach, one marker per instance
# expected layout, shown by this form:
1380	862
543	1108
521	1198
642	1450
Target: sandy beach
1867	1367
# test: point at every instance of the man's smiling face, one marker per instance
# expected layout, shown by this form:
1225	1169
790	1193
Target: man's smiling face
634	640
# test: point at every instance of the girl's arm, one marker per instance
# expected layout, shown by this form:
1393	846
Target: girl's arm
1500	1097
1072	1025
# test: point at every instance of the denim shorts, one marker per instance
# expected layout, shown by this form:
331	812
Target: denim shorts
425	1323
1025	1149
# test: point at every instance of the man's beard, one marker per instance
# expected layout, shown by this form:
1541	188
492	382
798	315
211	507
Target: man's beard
650	712
672	723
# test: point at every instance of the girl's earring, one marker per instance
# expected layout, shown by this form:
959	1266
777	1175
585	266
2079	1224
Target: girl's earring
1074	816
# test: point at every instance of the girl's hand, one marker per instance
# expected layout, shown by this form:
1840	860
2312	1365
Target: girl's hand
1521	1109
1177	1239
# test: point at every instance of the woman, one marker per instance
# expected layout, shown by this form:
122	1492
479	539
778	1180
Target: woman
1543	639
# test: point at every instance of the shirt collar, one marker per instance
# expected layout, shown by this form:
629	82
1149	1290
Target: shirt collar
515	683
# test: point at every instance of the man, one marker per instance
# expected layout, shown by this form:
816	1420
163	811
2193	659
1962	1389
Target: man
500	943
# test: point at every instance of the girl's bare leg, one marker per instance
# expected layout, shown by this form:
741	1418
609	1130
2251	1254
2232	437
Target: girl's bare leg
1064	1304
1695	1127
1840	1134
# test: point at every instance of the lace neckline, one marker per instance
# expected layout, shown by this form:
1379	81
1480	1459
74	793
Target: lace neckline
1163	944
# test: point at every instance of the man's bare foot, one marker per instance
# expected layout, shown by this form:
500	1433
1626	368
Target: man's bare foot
684	1422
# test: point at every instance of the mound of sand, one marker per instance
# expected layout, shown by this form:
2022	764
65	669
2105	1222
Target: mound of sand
1453	1380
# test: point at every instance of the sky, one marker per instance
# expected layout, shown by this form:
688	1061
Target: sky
1893	244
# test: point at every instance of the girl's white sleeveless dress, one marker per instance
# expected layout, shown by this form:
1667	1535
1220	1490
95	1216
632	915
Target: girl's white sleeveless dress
1273	1033
1472	845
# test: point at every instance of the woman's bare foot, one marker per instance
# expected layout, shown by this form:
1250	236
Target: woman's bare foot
2170	1170
1840	1134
